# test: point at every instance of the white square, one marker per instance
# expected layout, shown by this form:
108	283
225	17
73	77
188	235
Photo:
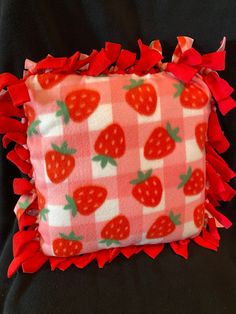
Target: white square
149	164
150	241
58	216
154	117
190	230
192	112
158	208
193	152
193	198
99	172
107	211
101	117
50	125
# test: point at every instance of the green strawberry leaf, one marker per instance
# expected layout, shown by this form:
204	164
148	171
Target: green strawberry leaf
97	158
148	174
63	149
179	89
71	205
63	111
109	242
42	214
141	177
112	161
25	204
185	177
175	218
32	128
173	133
134	182
104	160
71	236
133	84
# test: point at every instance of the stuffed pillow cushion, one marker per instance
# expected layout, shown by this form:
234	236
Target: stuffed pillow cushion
122	154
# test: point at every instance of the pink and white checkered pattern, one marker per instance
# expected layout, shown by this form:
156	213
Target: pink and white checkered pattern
137	128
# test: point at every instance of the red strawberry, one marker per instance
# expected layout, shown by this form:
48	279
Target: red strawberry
141	96
49	80
86	199
59	162
41	200
192	181
32	123
29	112
198	215
22	207
67	245
109	145
200	134
41	205
115	230
191	96
161	142
147	189
78	105
163	226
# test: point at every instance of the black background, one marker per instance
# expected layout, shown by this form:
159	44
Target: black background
206	283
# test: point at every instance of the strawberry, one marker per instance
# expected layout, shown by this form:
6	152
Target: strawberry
147	189
109	145
32	123
41	200
29	113
200	134
78	105
191	96
49	80
59	162
142	97
67	245
22	207
192	181
163	226
161	142
86	199
41	205
115	230
198	215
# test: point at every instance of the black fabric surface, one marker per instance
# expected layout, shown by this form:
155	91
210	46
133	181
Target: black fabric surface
206	283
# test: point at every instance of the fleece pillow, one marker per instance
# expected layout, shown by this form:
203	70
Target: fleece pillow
122	154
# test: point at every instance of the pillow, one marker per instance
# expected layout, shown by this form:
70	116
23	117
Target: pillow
121	154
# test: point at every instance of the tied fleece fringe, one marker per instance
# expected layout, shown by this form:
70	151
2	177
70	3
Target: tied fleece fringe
186	63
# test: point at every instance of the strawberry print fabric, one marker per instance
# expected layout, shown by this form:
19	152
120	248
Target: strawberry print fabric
118	160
